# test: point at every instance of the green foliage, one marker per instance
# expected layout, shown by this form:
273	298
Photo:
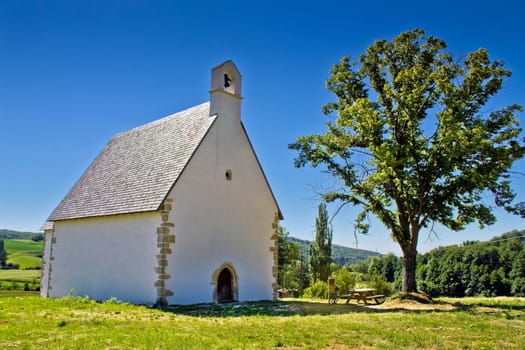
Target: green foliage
344	280
113	300
320	252
411	143
361	266
318	289
12	286
37	237
388	266
492	268
381	284
518	287
290	275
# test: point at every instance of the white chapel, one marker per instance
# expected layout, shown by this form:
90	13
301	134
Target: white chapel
177	211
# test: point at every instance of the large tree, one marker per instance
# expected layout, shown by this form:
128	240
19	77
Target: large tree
412	142
320	251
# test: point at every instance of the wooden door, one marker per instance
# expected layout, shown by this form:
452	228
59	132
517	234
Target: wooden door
224	286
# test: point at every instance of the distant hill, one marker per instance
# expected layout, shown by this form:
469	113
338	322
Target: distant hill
10	234
340	254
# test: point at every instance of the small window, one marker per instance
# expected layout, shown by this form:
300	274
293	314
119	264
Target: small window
228	175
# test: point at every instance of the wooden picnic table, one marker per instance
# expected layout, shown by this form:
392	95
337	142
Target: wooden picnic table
364	294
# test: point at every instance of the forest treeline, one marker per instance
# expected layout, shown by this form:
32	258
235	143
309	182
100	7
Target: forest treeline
489	268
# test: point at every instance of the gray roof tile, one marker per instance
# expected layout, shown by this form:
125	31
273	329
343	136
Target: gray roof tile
137	168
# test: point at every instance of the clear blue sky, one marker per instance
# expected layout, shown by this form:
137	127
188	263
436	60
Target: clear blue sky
73	74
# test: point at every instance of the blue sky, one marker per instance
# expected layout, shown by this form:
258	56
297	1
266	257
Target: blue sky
74	73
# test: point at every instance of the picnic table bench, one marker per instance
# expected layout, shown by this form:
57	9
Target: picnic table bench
364	294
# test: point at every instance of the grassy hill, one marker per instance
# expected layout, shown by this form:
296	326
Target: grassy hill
23	248
340	254
24	252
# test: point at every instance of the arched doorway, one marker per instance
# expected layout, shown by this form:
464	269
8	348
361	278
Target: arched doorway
226	284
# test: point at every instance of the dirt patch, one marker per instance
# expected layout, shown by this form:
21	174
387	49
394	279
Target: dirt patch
415	297
412	305
414	302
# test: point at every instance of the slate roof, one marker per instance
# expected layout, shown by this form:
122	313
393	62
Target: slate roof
137	169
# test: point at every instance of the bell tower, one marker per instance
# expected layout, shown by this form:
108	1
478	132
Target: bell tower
225	93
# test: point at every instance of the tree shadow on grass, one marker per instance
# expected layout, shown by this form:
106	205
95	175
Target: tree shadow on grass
298	307
281	308
493	305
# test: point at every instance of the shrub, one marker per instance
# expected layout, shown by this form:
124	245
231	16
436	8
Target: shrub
12	286
317	290
378	282
344	280
113	301
34	285
11	266
37	238
428	287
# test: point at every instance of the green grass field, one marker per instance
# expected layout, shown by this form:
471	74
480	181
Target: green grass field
19	246
21	276
24	252
29	322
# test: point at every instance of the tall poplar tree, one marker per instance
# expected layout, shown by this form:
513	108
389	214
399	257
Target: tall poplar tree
413	144
320	251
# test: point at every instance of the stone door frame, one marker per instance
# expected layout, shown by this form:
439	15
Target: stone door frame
235	281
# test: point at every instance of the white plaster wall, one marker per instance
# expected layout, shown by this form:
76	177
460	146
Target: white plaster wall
218	221
112	256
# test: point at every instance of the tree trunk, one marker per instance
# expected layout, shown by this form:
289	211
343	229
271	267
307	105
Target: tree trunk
409	270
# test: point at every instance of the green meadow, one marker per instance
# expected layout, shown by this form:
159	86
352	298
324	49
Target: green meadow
21	276
30	322
28	255
24	252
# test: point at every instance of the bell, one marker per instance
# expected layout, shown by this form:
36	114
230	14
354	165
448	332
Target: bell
227	80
